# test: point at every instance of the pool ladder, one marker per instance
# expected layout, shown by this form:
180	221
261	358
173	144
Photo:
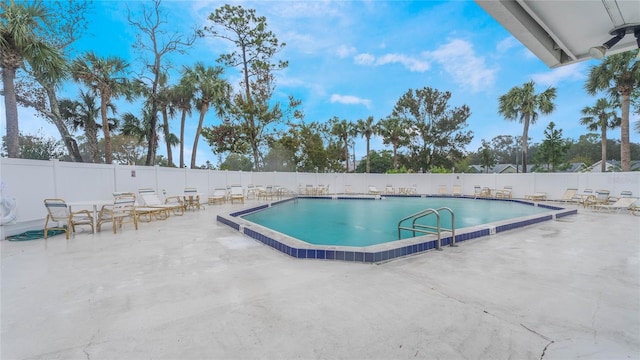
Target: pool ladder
427	229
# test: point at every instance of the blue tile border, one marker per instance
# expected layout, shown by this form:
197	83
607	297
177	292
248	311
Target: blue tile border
302	250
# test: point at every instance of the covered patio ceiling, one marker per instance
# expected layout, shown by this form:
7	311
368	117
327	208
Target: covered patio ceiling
561	32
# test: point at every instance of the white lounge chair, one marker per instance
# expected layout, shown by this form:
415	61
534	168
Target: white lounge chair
58	211
623	194
568	196
456	190
373	190
172	203
236	194
622	204
219	196
539	196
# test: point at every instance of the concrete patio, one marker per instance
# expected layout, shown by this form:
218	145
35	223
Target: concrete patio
189	288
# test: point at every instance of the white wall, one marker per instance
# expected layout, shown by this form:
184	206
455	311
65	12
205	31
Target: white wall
32	181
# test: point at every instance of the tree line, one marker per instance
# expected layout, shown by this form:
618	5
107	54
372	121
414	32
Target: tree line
255	132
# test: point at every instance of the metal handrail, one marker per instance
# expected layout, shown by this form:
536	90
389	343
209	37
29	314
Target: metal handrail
427	229
453	225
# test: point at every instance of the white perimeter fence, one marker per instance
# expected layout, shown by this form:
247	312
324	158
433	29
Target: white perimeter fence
26	183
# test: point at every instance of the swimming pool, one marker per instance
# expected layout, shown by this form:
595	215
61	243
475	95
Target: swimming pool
380	252
362	222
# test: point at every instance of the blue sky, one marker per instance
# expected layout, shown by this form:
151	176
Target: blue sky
355	59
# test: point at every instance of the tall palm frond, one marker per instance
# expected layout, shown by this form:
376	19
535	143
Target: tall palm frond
20	44
619	76
524	105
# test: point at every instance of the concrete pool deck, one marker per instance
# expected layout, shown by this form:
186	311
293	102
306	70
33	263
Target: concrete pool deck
190	288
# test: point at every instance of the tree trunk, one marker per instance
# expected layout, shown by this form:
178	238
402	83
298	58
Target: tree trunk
256	156
203	110
525	144
56	119
603	127
153	137
167	133
395	155
346	154
104	100
182	121
368	163
11	109
91	130
625	150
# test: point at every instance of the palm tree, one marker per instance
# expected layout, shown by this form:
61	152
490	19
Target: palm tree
182	97
601	117
619	75
523	104
135	127
105	76
20	43
210	90
343	130
366	128
393	131
83	114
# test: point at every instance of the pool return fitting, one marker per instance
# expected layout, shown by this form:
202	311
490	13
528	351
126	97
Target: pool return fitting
427	229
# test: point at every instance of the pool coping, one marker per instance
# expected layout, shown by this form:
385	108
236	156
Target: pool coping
379	253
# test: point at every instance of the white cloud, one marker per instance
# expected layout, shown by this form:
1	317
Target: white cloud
572	72
411	63
465	68
507	44
344	51
364	59
350	100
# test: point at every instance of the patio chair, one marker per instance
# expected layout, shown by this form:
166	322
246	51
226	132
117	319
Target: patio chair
373	190
620	205
582	197
389	189
456	190
236	194
600	198
219	196
172	203
505	193
122	210
266	193
443	190
58	211
322	190
310	190
251	191
482	192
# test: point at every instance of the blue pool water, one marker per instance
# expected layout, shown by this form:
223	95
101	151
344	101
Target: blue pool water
370	222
